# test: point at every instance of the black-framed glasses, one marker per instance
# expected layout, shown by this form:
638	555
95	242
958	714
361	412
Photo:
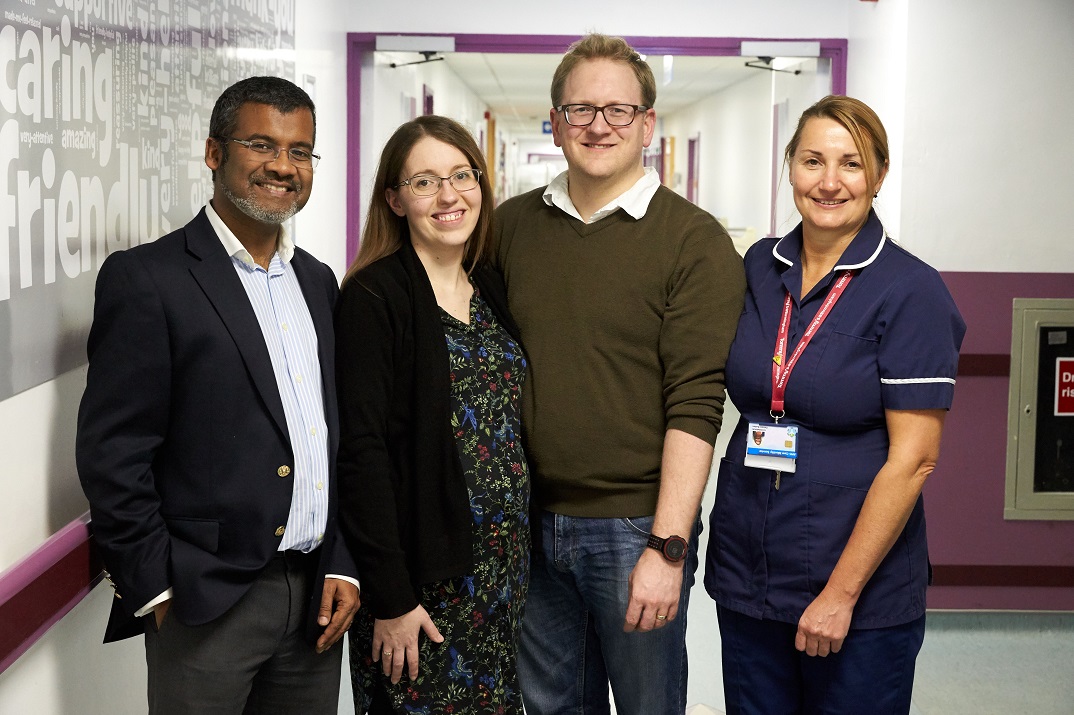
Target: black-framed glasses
427	184
616	115
302	158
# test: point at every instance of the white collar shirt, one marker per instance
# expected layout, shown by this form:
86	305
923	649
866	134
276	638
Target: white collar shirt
635	200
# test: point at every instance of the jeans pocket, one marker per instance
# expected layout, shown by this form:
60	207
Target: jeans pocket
642	526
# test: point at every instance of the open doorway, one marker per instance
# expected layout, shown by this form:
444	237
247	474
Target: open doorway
689	72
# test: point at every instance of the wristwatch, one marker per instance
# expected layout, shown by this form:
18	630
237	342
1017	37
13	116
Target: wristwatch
673	548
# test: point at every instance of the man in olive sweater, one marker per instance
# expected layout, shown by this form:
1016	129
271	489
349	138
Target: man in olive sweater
627	297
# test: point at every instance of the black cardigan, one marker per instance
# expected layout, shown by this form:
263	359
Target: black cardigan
404	506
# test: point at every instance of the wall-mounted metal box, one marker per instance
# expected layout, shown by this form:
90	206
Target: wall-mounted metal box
1040	413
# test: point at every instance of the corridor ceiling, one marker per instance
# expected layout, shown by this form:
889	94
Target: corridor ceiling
516	86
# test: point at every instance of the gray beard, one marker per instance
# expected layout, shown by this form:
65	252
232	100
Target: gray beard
258	212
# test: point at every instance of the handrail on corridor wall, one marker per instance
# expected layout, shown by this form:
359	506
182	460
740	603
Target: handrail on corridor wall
43	588
40	590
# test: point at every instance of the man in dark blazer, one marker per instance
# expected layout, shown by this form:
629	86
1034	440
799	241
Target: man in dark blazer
207	434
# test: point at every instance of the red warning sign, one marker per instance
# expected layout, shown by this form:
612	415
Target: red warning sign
1064	387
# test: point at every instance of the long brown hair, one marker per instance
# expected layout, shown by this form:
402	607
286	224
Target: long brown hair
384	232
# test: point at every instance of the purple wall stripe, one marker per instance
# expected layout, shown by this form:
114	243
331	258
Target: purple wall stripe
978	365
991	576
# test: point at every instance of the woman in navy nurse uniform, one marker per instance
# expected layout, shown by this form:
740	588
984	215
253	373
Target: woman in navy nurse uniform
845	357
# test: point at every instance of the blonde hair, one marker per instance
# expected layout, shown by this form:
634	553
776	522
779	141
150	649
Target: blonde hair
604	47
384	231
865	127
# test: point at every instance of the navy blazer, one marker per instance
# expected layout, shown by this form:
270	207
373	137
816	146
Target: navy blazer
182	445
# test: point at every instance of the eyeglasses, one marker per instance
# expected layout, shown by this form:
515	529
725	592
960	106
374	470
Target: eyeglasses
616	115
428	185
301	158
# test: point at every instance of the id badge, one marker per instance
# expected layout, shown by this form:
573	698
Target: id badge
772	446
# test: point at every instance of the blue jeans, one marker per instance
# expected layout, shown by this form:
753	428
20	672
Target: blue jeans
573	643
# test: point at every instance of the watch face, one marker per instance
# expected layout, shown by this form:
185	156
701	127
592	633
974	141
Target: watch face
675	549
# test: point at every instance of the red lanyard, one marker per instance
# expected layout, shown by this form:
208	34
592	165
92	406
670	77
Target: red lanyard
781	367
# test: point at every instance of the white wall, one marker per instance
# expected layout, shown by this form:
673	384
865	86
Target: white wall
321	51
39	428
70	671
989	164
876	74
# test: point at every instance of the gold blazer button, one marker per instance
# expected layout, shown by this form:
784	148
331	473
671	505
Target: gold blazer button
284	471
279	531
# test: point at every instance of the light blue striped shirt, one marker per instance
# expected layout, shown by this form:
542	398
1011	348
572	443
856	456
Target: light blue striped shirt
285	321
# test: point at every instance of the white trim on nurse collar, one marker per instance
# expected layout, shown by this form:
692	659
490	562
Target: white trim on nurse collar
870	259
775	252
839	267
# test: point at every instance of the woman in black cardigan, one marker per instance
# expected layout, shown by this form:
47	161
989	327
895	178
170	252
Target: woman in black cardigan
434	488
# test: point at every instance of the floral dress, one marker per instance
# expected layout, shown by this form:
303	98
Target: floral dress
479	615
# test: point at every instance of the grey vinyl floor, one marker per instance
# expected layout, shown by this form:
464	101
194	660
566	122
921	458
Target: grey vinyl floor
989	663
979	663
972	663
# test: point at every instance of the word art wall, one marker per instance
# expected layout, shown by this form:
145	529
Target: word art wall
104	111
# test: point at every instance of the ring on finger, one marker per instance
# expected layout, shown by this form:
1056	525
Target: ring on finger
661	617
386	652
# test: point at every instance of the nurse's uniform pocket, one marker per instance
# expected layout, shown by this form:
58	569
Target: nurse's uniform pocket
833	511
737	525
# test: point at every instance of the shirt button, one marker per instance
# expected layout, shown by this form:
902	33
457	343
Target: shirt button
284	326
298	379
313	431
283	471
280	530
320	485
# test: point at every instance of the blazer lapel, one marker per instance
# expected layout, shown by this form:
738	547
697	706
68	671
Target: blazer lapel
215	274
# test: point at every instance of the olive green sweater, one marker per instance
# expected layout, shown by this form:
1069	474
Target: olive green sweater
626	324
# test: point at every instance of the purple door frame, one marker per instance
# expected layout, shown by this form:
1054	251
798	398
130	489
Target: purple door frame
693	156
426	99
359	43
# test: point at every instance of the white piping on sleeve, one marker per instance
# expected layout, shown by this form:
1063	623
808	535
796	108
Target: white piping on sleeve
915	380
